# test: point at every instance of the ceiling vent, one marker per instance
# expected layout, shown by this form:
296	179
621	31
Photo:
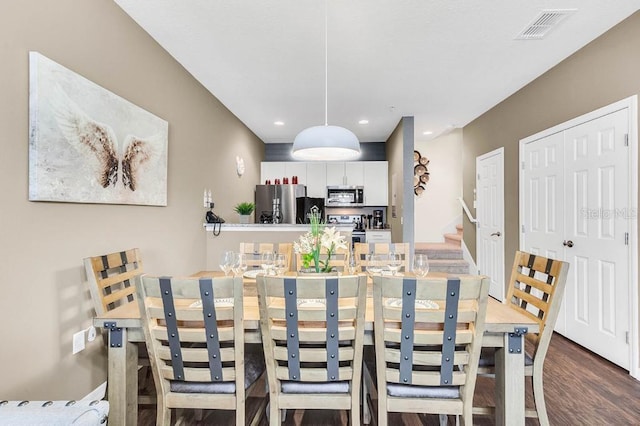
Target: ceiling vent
546	20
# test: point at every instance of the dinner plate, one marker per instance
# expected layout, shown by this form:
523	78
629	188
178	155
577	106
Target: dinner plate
311	303
421	304
253	273
220	303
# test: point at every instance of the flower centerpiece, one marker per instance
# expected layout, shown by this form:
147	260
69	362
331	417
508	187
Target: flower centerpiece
317	245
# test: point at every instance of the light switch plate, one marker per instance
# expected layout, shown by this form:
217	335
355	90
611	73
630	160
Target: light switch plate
78	342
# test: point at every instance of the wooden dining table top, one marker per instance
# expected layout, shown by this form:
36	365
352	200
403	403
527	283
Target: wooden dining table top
500	317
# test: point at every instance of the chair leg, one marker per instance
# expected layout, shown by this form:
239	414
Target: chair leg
443	419
163	416
538	398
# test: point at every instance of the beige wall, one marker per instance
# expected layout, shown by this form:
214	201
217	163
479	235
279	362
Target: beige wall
604	71
437	209
400	157
44	297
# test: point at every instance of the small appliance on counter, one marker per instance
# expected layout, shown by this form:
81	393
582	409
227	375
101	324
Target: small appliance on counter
378	219
277	203
345	196
306	206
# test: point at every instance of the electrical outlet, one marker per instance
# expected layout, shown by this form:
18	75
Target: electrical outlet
78	342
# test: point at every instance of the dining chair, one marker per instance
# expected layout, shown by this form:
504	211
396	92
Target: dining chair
111	283
339	261
194	332
313	333
428	338
253	251
361	250
535	289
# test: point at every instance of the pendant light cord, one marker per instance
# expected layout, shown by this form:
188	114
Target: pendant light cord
326	67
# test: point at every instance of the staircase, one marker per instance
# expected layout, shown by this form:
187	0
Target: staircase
445	257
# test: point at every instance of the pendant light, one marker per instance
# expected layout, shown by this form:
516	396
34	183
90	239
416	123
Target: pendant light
325	143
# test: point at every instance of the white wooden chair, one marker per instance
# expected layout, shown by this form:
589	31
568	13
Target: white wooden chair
361	250
339	261
313	333
253	251
195	336
535	289
428	338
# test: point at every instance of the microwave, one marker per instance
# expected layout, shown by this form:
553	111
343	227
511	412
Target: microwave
345	196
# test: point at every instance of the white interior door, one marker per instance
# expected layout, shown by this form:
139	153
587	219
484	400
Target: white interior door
596	236
575	206
490	219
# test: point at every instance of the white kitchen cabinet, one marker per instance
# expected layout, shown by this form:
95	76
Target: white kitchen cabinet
349	173
376	183
295	168
316	179
271	170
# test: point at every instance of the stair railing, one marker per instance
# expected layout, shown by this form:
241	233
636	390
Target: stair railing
466	210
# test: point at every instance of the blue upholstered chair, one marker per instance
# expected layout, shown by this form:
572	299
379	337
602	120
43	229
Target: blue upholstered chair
428	337
195	338
313	333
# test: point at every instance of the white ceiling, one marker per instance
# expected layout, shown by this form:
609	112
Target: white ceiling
445	62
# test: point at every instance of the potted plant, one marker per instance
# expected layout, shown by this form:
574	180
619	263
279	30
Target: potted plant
244	210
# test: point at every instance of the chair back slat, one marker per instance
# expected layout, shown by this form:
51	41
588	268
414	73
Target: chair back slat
253	252
361	250
428	332
339	259
110	278
188	335
535	290
312	328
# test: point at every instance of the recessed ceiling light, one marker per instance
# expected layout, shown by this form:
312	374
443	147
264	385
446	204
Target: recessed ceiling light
428	132
279	123
363	122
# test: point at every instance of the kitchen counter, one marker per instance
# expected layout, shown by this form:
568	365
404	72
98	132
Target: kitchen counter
268	227
232	234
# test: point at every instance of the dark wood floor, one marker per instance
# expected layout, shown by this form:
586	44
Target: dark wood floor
580	388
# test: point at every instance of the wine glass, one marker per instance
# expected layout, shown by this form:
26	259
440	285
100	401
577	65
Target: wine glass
226	261
374	264
281	264
394	262
352	266
267	260
239	263
420	265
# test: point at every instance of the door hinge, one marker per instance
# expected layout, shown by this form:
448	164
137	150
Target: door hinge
523	229
626	336
626	238
522	165
478	176
626	139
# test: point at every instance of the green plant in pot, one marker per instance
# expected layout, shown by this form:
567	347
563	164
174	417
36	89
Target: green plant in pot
244	210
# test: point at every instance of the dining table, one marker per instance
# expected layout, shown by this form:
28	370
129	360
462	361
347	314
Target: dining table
504	330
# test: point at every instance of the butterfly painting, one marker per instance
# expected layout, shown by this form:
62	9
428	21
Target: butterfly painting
89	145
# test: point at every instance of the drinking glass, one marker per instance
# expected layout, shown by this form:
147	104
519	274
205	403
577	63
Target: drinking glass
394	262
239	263
226	261
281	264
352	266
420	265
374	264
267	260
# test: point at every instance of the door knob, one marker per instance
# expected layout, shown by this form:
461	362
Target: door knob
567	243
495	234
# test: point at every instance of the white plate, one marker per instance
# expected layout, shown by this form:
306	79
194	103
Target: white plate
220	303
421	304
311	303
253	273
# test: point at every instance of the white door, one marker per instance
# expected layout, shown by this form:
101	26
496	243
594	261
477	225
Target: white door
490	219
575	206
596	234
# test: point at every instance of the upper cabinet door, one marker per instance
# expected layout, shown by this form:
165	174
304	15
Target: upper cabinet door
335	173
271	170
376	187
354	173
295	168
316	180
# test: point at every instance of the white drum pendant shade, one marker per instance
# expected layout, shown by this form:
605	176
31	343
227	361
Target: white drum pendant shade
326	143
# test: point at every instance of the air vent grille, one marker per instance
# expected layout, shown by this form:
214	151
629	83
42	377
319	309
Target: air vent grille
543	23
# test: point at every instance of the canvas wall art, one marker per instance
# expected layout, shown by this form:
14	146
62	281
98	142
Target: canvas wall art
89	145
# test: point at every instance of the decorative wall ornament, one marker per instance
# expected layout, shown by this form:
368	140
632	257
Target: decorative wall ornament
420	173
88	145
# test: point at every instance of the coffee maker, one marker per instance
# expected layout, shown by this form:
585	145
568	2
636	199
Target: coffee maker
378	222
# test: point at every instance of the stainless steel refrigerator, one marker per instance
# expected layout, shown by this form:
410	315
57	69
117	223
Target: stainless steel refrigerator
277	203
